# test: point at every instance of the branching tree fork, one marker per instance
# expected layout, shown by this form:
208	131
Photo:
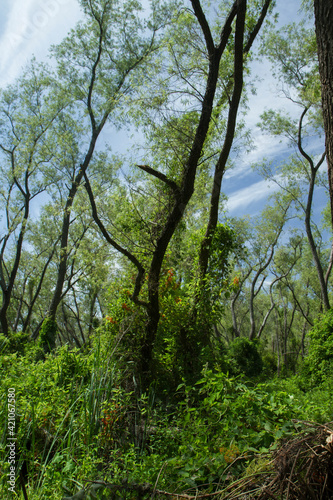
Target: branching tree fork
183	191
102	62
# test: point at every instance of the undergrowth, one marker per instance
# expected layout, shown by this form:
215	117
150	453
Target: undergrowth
81	417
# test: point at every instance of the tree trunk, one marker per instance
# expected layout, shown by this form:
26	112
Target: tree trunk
313	173
7	289
183	194
62	268
240	52
323	10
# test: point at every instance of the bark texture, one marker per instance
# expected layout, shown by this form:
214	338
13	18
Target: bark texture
323	10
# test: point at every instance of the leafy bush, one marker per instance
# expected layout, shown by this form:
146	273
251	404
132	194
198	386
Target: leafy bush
244	358
72	366
15	342
269	361
319	362
82	417
48	335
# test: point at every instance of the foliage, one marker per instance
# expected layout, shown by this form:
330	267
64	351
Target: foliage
14	343
319	362
119	239
225	243
244	357
48	334
80	416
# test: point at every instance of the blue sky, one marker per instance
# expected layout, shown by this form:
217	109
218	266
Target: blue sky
29	27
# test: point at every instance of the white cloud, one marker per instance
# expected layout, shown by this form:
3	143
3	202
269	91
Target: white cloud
252	194
265	147
32	26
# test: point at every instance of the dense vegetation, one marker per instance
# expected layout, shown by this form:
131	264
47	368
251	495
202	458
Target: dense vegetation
151	344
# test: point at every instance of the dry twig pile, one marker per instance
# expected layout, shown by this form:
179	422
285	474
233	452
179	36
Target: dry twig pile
301	468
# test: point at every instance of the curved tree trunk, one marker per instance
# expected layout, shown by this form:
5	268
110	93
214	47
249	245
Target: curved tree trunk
184	193
7	288
313	173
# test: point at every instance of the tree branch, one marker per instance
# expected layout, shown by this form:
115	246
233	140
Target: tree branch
257	27
159	175
199	14
119	248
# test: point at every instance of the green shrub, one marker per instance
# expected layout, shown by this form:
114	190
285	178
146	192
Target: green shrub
72	366
15	342
48	335
244	358
318	364
269	360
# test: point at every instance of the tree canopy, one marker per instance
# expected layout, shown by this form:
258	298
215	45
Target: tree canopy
149	226
143	324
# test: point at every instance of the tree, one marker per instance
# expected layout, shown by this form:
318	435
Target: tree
293	51
182	190
323	11
233	94
28	112
253	267
94	64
